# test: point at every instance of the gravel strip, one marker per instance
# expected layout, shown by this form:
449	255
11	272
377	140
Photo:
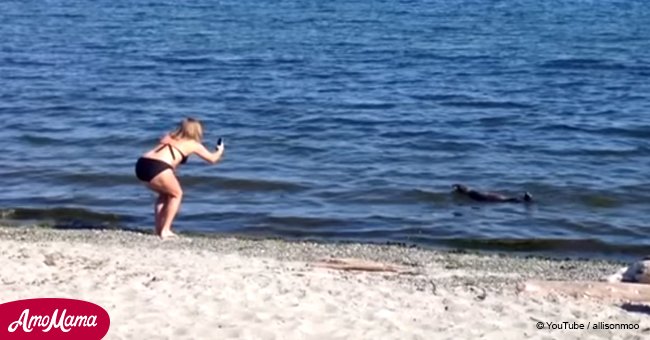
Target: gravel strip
436	268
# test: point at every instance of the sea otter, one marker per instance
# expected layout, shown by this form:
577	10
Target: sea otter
490	196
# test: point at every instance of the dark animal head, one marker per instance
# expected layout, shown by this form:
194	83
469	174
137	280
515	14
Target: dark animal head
460	188
528	197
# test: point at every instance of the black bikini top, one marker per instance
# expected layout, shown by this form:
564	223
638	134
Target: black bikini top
171	150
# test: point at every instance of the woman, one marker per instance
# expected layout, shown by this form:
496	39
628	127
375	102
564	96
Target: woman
157	169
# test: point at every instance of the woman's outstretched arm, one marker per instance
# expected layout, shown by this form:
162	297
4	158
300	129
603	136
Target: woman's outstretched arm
208	156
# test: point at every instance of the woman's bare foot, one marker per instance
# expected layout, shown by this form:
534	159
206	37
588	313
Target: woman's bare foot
168	235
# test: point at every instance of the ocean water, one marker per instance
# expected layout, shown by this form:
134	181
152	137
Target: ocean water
343	120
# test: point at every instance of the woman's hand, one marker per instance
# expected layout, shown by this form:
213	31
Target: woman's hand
220	148
211	157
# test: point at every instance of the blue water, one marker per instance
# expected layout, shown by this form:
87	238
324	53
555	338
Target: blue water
343	120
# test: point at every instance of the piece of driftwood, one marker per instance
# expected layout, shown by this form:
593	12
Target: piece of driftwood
361	265
638	271
603	291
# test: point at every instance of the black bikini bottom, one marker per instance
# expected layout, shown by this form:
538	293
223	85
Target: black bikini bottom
146	168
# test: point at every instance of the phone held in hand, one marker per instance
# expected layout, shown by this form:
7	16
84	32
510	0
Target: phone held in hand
219	144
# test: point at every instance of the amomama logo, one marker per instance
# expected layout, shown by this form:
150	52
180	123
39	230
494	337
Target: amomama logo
53	319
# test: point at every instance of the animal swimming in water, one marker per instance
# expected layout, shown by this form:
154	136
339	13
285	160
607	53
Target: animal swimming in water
490	196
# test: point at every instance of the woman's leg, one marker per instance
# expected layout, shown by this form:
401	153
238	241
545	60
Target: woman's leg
166	183
171	209
159	211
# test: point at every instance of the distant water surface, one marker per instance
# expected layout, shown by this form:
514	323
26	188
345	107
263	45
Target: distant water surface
343	120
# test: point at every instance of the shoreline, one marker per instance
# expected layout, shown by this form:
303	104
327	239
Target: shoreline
231	287
533	265
479	247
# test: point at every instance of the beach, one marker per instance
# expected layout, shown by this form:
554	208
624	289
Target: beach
235	288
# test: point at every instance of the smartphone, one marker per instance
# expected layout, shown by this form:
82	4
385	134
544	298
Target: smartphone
219	143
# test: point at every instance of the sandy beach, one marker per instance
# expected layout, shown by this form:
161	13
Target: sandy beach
230	288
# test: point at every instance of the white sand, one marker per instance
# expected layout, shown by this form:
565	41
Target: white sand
158	293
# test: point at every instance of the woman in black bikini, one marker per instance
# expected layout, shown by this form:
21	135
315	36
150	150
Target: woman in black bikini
157	168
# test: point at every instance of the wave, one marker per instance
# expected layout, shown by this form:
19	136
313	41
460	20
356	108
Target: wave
593	152
487	104
639	131
40	140
365	229
63	216
367	106
26	62
563	246
113	140
240	184
243	184
614	197
276	226
439	97
132	65
544	195
387	196
582	64
291	222
185	60
99	179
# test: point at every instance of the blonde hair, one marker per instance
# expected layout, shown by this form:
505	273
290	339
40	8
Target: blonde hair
189	128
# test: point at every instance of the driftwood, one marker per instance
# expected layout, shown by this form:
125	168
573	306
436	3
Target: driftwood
603	291
361	265
638	271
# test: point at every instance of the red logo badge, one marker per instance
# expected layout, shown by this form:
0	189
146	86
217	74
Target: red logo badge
53	319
